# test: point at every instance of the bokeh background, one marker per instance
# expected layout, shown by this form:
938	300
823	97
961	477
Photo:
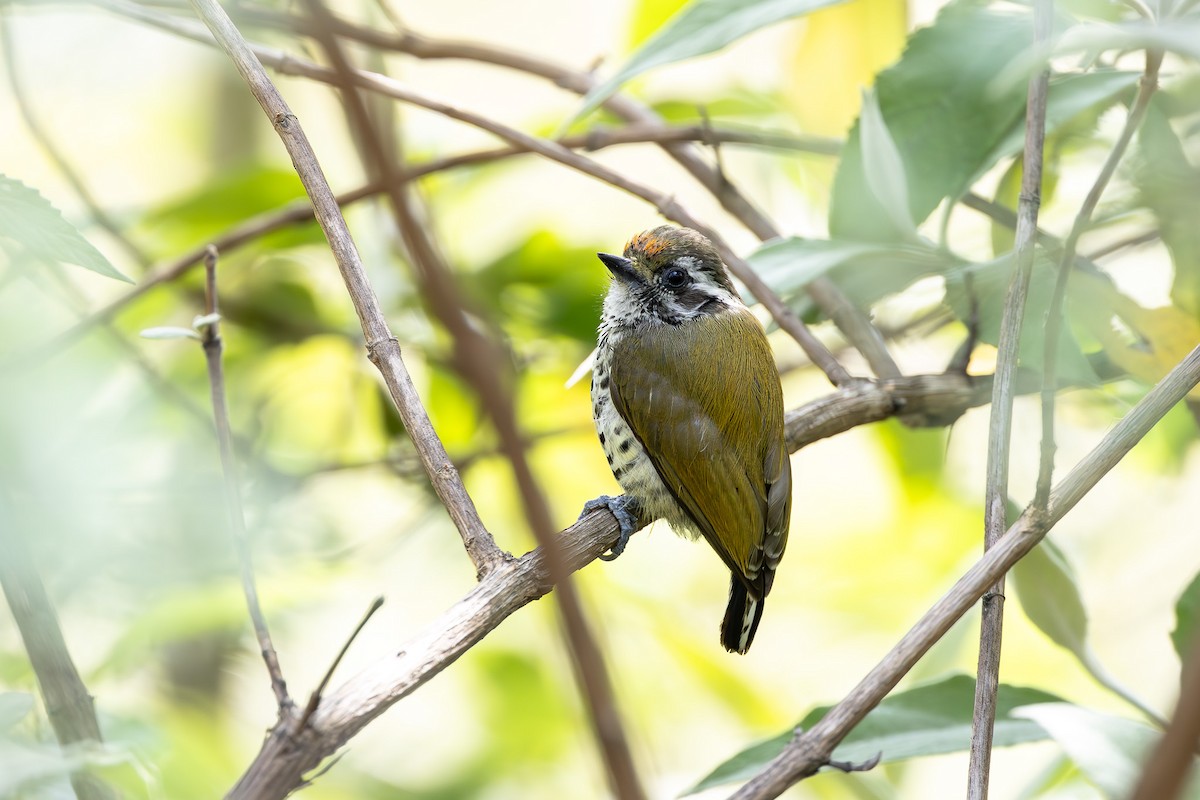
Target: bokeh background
111	471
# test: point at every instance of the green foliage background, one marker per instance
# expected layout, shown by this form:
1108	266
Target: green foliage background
109	469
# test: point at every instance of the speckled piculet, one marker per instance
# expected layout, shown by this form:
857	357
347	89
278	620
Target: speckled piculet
689	410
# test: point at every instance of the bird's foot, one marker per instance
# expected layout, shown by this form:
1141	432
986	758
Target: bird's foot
625	509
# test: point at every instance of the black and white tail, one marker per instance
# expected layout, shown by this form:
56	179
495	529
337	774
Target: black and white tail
741	618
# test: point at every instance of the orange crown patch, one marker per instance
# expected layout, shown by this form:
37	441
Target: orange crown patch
647	243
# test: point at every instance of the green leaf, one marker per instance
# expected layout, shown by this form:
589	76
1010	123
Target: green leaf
1187	619
1107	749
39	228
14	707
1169	186
700	27
1180	36
1050	598
884	169
951	126
1067	98
987	285
927	720
941	119
864	271
221	204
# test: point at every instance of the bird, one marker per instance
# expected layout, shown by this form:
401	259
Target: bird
688	408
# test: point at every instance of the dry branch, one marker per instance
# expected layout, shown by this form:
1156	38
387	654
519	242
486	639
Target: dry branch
995	518
810	750
480	360
382	347
68	704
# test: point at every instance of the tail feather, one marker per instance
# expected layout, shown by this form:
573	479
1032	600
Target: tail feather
742	616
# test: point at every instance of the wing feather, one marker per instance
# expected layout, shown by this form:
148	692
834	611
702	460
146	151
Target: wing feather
704	400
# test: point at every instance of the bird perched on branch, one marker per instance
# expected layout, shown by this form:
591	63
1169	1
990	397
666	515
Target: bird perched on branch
689	410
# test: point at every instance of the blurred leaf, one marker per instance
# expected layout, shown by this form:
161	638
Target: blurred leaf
940	119
648	16
532	709
1169	186
1145	342
14	707
919	454
220	204
1069	98
845	45
987	285
1187	619
883	168
545	286
864	271
31	221
1180	36
701	27
952	125
1106	748
1050	598
24	765
927	720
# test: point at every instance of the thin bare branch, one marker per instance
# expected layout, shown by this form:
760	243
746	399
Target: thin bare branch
301	212
479	359
810	750
987	680
668	206
68	704
382	347
314	699
1054	314
851	320
210	335
1173	759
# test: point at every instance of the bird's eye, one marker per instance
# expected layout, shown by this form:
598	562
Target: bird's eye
675	278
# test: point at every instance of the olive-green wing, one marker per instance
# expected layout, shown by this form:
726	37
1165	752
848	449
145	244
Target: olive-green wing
704	400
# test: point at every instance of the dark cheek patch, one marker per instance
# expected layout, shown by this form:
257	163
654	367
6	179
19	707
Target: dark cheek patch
695	299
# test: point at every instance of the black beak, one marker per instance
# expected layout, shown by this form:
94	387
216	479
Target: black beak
619	266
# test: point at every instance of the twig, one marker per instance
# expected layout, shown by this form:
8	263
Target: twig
666	205
991	627
811	749
314	700
68	704
382	347
1136	240
302	211
284	758
1054	313
479	359
210	336
1166	770
851	320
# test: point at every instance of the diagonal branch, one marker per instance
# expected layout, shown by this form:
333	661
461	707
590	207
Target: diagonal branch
479	359
1054	315
68	704
667	205
844	314
382	347
302	211
810	750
